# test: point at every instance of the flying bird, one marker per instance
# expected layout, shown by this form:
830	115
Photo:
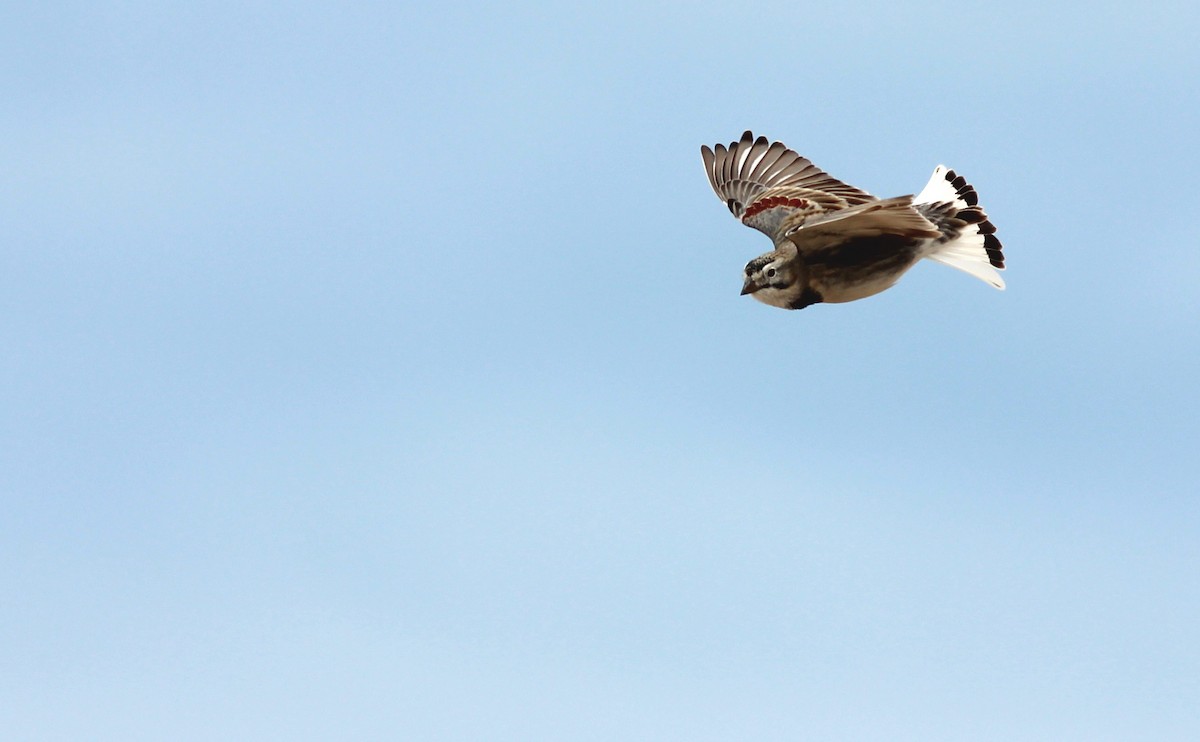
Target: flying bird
835	243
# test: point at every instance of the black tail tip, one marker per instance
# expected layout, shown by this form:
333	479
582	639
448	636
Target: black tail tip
962	188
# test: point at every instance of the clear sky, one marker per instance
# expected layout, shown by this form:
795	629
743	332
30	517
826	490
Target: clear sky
378	371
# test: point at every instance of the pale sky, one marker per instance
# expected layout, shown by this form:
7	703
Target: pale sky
379	372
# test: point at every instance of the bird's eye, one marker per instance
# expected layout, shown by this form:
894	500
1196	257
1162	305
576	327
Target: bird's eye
770	272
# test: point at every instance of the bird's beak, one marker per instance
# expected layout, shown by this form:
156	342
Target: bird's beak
748	287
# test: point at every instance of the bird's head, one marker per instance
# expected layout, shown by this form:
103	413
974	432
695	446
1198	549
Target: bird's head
769	277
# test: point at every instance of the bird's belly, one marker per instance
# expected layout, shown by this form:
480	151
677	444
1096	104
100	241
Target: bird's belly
839	292
851	275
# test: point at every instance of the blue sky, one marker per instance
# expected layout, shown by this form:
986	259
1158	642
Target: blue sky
379	372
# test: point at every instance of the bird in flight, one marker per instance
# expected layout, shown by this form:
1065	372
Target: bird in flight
835	243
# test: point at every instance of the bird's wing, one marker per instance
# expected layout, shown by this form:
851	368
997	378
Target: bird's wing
752	169
893	217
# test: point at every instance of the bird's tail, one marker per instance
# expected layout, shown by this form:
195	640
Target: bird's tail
968	240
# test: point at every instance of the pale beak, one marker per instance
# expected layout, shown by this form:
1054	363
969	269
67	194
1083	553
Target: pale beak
748	287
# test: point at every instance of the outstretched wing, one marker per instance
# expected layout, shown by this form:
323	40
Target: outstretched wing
754	172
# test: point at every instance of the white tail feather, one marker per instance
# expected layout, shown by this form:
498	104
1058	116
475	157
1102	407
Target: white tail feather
939	190
967	254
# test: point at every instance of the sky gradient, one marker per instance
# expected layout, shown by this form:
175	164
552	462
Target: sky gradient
380	373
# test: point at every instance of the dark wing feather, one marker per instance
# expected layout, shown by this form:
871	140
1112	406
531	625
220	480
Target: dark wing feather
743	170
